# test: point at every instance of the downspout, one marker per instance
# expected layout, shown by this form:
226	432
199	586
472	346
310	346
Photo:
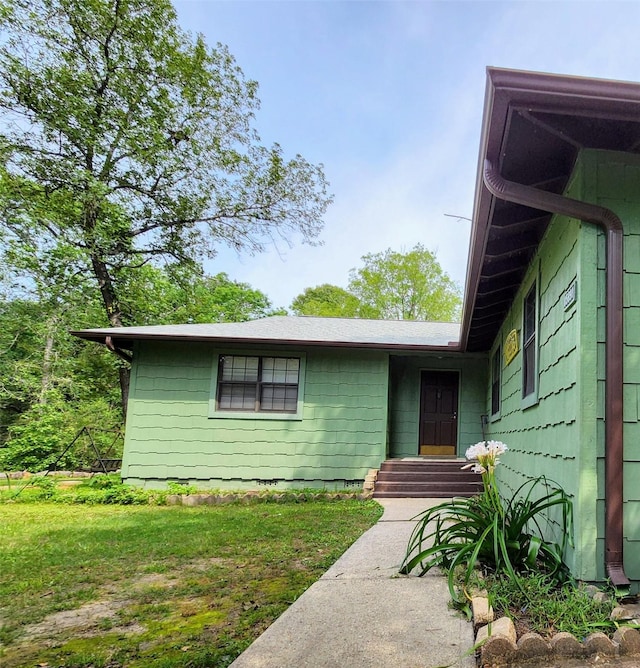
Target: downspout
108	341
614	451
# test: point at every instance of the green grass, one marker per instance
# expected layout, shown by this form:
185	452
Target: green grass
182	587
536	603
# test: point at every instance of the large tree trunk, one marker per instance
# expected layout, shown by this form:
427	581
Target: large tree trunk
114	314
47	359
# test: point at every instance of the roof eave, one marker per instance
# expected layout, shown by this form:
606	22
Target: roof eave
126	341
506	89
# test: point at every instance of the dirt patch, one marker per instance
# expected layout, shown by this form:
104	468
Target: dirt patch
86	616
206	564
86	620
159	580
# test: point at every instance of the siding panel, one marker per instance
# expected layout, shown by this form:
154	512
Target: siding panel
170	435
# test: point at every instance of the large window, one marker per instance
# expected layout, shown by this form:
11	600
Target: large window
496	368
258	384
529	343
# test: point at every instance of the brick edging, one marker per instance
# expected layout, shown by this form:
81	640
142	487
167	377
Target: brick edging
497	643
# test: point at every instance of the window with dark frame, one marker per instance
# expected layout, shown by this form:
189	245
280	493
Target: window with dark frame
258	384
496	367
529	328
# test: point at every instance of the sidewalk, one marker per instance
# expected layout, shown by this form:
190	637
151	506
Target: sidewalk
363	615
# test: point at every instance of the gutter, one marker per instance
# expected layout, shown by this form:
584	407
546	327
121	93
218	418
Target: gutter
614	444
117	342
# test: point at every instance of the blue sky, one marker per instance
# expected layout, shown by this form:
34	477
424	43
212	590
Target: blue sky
388	95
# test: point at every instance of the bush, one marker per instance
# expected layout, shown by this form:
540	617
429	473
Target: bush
38	438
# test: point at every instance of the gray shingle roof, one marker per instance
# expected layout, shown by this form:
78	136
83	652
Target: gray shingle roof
291	329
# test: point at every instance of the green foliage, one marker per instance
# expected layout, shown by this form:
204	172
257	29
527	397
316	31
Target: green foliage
405	286
390	286
109	489
45	489
40	435
101	489
174	296
136	141
326	301
538	603
128	142
174	487
458	534
45	372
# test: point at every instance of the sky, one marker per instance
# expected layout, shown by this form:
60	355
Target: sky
388	96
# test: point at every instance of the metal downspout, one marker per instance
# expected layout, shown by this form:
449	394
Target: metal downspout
614	452
108	341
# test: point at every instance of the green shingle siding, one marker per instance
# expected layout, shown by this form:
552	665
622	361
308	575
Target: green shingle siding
562	436
546	438
170	435
405	399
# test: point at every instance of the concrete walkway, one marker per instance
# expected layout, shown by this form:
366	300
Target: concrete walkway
362	614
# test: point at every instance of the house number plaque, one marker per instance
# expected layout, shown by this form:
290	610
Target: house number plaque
511	346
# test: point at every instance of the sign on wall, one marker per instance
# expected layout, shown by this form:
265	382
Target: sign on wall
511	346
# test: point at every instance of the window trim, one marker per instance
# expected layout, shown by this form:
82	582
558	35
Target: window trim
531	398
496	358
216	413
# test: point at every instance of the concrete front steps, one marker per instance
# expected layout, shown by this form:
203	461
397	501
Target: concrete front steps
425	478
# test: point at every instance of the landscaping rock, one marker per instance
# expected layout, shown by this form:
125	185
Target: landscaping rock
628	640
370	480
626	612
195	499
567	646
501	627
174	499
250	497
590	590
533	646
482	611
598	643
497	651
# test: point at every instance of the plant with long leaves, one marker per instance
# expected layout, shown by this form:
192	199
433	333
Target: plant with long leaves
505	537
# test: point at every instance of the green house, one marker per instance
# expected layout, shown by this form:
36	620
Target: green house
547	358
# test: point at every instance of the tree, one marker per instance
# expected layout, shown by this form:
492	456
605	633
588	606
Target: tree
326	301
405	286
161	297
126	141
390	286
52	384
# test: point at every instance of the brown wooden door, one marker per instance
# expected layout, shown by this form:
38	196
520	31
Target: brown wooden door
438	413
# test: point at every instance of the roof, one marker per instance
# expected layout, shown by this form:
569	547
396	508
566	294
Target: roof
293	330
533	129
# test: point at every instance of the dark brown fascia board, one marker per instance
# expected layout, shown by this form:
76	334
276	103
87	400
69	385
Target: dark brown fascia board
507	89
127	341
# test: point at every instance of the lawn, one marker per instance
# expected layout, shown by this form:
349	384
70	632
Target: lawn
156	586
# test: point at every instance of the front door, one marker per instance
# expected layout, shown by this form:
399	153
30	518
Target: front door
438	413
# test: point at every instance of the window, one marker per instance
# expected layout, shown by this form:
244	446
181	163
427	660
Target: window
258	384
496	368
529	345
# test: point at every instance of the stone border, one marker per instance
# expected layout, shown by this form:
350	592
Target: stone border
499	646
204	499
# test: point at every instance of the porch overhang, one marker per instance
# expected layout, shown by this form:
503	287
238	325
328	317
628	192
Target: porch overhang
534	127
